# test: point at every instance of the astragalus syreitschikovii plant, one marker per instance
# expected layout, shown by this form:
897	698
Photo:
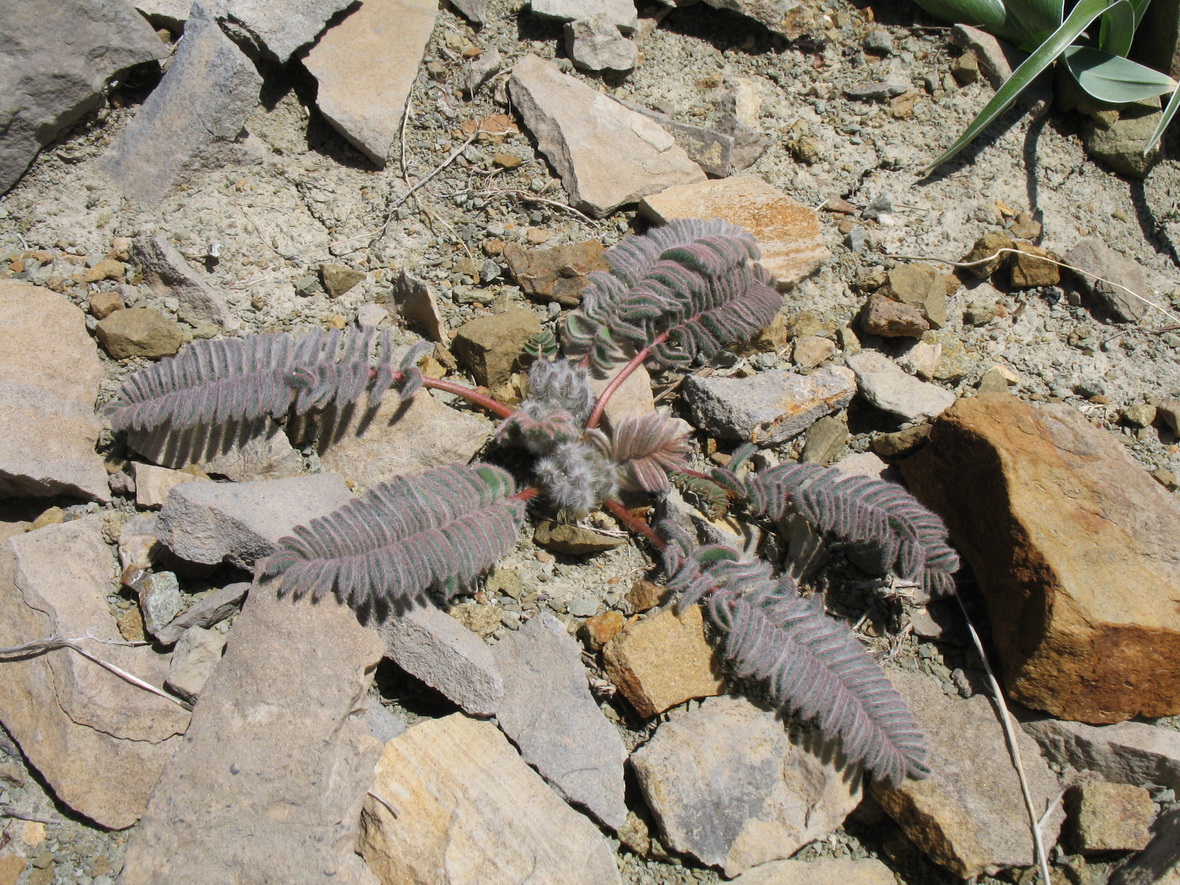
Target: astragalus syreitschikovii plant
1042	28
674	298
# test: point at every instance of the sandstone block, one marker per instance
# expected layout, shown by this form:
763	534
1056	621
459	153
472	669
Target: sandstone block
1074	546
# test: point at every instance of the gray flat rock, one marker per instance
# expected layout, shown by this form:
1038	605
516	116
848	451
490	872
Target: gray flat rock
728	785
606	155
98	741
1126	752
620	13
205	611
49	377
366	65
46	82
169	273
548	712
193	118
279	28
884	384
769	407
241	523
269	782
597	44
433	646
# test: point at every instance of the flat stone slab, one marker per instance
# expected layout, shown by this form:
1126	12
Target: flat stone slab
548	712
728	785
769	407
966	814
431	645
274	768
788	232
1075	549
169	273
191	120
211	522
1125	752
454	803
280	28
49	377
886	385
98	741
366	65
47	83
606	155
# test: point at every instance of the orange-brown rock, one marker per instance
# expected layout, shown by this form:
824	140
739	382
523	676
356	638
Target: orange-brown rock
1076	550
662	661
788	232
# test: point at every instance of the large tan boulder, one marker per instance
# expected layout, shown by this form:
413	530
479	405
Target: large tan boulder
1076	550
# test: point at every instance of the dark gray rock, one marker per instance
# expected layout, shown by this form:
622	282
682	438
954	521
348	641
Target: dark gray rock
193	118
159	600
168	272
1103	267
47	82
548	712
277	28
475	11
205	611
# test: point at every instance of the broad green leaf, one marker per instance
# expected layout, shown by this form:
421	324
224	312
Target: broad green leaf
1078	20
1025	29
1169	112
1113	79
1118	28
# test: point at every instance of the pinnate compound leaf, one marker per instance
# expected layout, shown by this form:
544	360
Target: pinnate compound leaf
438	529
687	289
812	664
647	449
217	381
863	510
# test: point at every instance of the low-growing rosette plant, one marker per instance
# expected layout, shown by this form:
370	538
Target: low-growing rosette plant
673	298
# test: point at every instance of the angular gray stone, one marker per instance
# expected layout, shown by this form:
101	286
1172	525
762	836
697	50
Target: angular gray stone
169	273
729	786
884	384
606	155
769	407
47	82
205	611
596	44
159	600
241	523
1126	752
170	14
269	782
548	712
997	60
433	646
196	656
98	741
962	814
365	66
191	120
49	377
1103	267
280	28
786	17
710	149
418	307
620	13
475	11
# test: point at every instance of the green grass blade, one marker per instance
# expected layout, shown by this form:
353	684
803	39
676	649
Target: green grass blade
1078	20
1113	79
1169	112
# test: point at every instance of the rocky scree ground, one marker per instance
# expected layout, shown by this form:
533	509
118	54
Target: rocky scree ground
850	103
